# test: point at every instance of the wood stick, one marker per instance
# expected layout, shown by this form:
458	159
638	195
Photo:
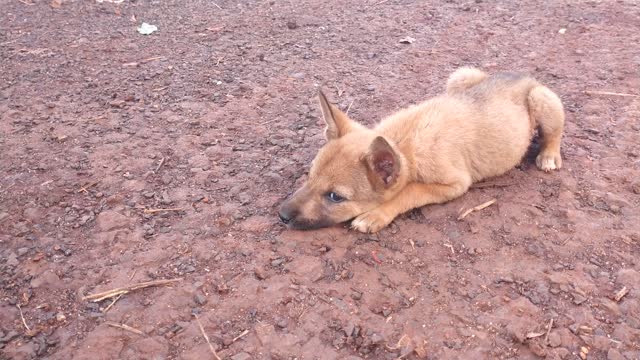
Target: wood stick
112	303
87	187
24	322
125	290
159	165
153	211
610	93
349	107
242	334
546	337
620	294
450	248
204	334
476	208
154	58
125	327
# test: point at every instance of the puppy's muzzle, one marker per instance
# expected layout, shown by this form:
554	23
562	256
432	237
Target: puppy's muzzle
287	214
284	217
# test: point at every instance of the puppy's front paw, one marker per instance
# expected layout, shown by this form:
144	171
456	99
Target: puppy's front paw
372	221
547	161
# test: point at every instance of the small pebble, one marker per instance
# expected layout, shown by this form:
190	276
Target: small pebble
200	299
260	273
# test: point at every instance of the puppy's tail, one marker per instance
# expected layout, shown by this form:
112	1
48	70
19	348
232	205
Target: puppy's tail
463	79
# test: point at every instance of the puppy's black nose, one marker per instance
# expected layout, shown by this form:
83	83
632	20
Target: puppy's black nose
284	217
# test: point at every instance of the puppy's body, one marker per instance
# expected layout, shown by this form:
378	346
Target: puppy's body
475	133
428	153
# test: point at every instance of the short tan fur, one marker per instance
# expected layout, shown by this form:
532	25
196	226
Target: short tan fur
428	153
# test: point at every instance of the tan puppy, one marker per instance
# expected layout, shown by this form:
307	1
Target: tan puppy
425	154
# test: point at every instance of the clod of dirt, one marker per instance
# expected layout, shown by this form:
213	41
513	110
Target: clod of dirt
241	356
260	273
614	354
111	220
223	288
292	24
578	298
407	40
282	323
200	298
265	333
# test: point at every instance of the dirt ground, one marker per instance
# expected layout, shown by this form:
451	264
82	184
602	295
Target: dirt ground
215	118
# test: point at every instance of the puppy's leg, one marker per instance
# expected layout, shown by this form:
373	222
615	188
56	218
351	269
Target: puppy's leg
412	196
546	110
464	78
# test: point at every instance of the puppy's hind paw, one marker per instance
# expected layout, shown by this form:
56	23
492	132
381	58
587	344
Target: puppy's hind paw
371	222
549	161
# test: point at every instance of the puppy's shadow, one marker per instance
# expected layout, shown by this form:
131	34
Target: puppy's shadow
532	152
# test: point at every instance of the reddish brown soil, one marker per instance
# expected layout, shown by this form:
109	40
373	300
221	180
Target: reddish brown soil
216	114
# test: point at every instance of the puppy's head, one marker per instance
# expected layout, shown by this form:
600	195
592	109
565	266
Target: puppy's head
354	172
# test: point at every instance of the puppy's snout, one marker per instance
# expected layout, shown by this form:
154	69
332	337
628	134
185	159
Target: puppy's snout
287	214
284	217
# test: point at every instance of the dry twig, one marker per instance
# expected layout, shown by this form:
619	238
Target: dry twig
127	289
533	335
349	107
546	337
159	165
450	248
476	208
85	188
125	327
204	334
610	93
620	294
153	58
242	334
112	303
24	322
153	211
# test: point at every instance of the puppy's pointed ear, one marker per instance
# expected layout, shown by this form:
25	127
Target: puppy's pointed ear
383	163
338	123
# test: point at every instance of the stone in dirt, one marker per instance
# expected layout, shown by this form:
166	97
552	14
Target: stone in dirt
614	354
157	345
265	333
241	356
308	267
260	273
47	280
110	220
257	224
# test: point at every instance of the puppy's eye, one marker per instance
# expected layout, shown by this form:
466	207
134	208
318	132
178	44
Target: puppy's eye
335	198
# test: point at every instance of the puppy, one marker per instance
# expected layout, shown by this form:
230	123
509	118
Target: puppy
428	153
